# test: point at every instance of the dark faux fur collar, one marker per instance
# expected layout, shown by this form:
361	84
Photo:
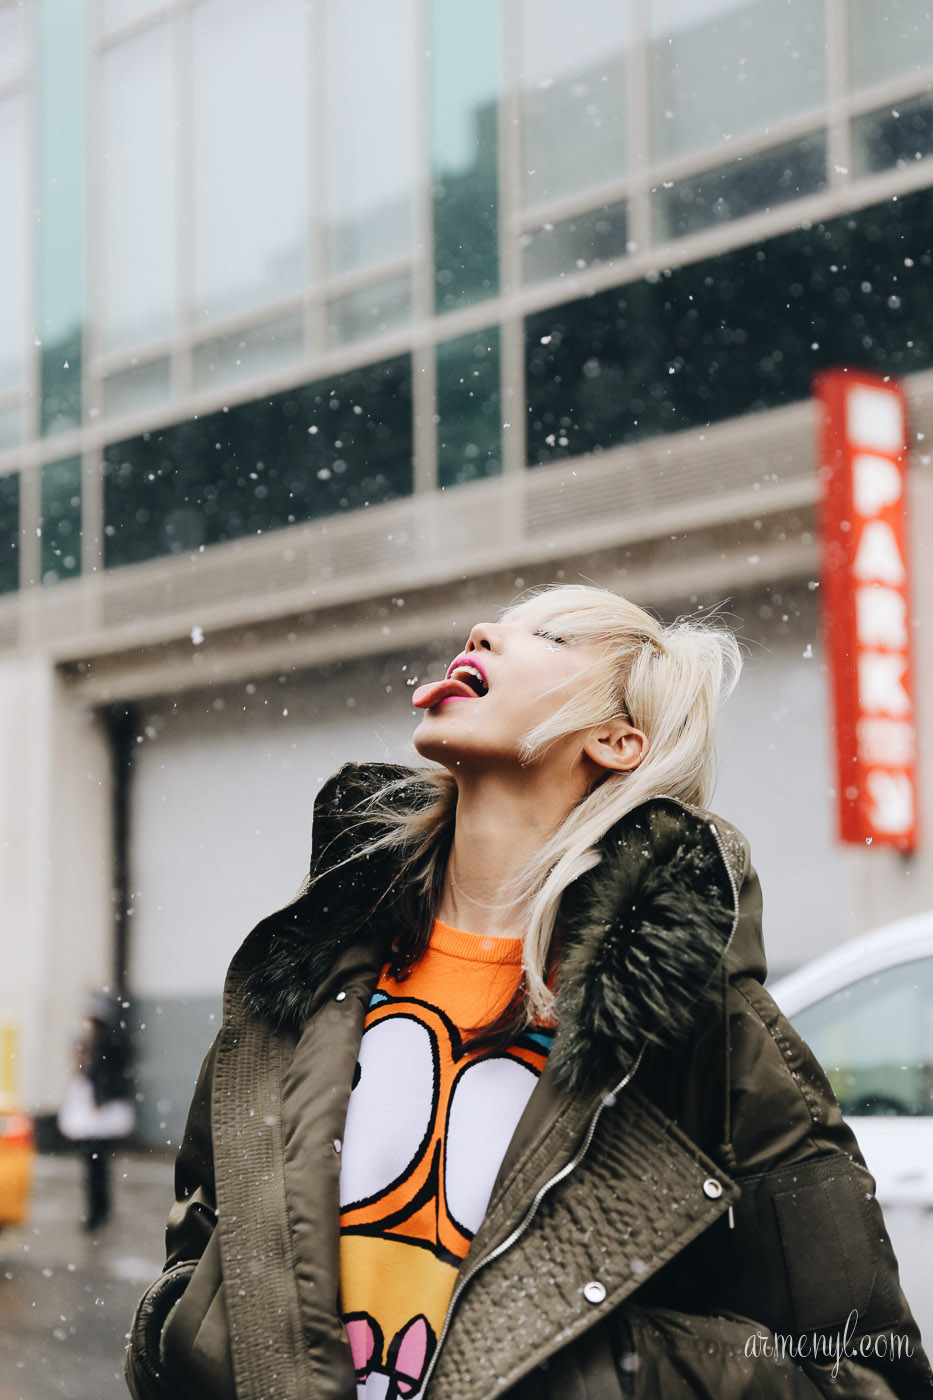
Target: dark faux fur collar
645	932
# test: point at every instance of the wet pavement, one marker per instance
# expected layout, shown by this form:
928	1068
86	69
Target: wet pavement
66	1297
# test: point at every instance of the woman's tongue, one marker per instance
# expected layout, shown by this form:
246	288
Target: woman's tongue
434	692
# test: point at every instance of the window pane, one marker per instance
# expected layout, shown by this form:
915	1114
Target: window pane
62	200
875	1041
9	533
13	248
897	136
888	40
143	386
369	70
469	433
372	311
114	12
247	353
250	152
465	73
15	22
586	240
742	187
732	334
722	68
12	422
137	218
61	519
573	78
323	448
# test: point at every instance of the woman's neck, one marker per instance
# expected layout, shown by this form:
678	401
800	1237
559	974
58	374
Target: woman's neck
500	824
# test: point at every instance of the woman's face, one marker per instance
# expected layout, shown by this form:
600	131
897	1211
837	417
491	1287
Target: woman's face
510	677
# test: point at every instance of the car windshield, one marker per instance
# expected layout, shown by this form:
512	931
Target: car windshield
874	1039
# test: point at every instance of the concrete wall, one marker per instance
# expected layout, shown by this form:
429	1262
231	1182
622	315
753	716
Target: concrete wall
55	869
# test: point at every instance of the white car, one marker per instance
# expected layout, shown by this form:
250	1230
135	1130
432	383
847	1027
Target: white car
866	1011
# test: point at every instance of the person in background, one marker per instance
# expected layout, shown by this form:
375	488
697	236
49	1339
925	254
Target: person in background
98	1111
500	1106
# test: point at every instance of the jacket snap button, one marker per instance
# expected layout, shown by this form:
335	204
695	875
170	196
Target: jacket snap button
594	1292
712	1188
341	996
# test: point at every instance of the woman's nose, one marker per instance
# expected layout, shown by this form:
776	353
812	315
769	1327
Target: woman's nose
480	637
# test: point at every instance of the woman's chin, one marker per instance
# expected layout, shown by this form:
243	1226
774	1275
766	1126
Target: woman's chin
436	738
436	741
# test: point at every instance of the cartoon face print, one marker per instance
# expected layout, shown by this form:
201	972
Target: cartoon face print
426	1131
428	1126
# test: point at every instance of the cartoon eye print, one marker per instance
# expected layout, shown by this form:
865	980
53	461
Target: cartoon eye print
390	1116
426	1126
469	1176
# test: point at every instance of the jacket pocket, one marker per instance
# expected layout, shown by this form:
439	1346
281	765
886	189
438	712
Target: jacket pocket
144	1368
805	1249
682	1356
196	1339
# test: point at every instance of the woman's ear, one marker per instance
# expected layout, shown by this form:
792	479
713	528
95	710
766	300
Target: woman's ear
616	745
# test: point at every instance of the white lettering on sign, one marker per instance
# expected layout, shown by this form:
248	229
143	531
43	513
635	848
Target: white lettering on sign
878	559
874	419
881	617
881	683
876	483
890	742
892	798
863	454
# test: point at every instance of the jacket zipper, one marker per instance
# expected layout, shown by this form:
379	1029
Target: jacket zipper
582	1150
500	1249
735	923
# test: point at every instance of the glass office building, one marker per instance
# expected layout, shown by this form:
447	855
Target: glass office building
322	315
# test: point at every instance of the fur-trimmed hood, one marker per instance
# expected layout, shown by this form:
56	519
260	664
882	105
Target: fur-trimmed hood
649	934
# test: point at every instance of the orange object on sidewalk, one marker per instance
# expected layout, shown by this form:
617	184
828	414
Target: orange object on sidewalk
17	1158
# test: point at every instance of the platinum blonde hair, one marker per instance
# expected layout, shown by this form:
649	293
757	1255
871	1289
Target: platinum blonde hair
668	681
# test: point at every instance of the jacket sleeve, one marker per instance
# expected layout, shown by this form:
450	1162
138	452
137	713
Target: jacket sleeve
191	1223
803	1299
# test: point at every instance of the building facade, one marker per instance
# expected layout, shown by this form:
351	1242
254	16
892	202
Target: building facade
329	326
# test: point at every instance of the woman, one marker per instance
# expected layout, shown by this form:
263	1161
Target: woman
97	1112
577	1151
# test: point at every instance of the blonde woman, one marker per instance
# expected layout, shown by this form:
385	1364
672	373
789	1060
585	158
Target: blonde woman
500	1106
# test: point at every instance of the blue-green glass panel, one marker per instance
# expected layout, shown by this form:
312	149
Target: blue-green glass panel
465	83
469	428
61	223
341	444
9	533
61	519
733	334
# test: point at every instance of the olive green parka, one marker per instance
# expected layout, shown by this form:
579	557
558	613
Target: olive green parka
682	1213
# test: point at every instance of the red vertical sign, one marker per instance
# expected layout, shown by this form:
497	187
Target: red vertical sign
866	613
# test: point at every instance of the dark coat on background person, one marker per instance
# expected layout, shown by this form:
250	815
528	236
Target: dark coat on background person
105	1053
680	1187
